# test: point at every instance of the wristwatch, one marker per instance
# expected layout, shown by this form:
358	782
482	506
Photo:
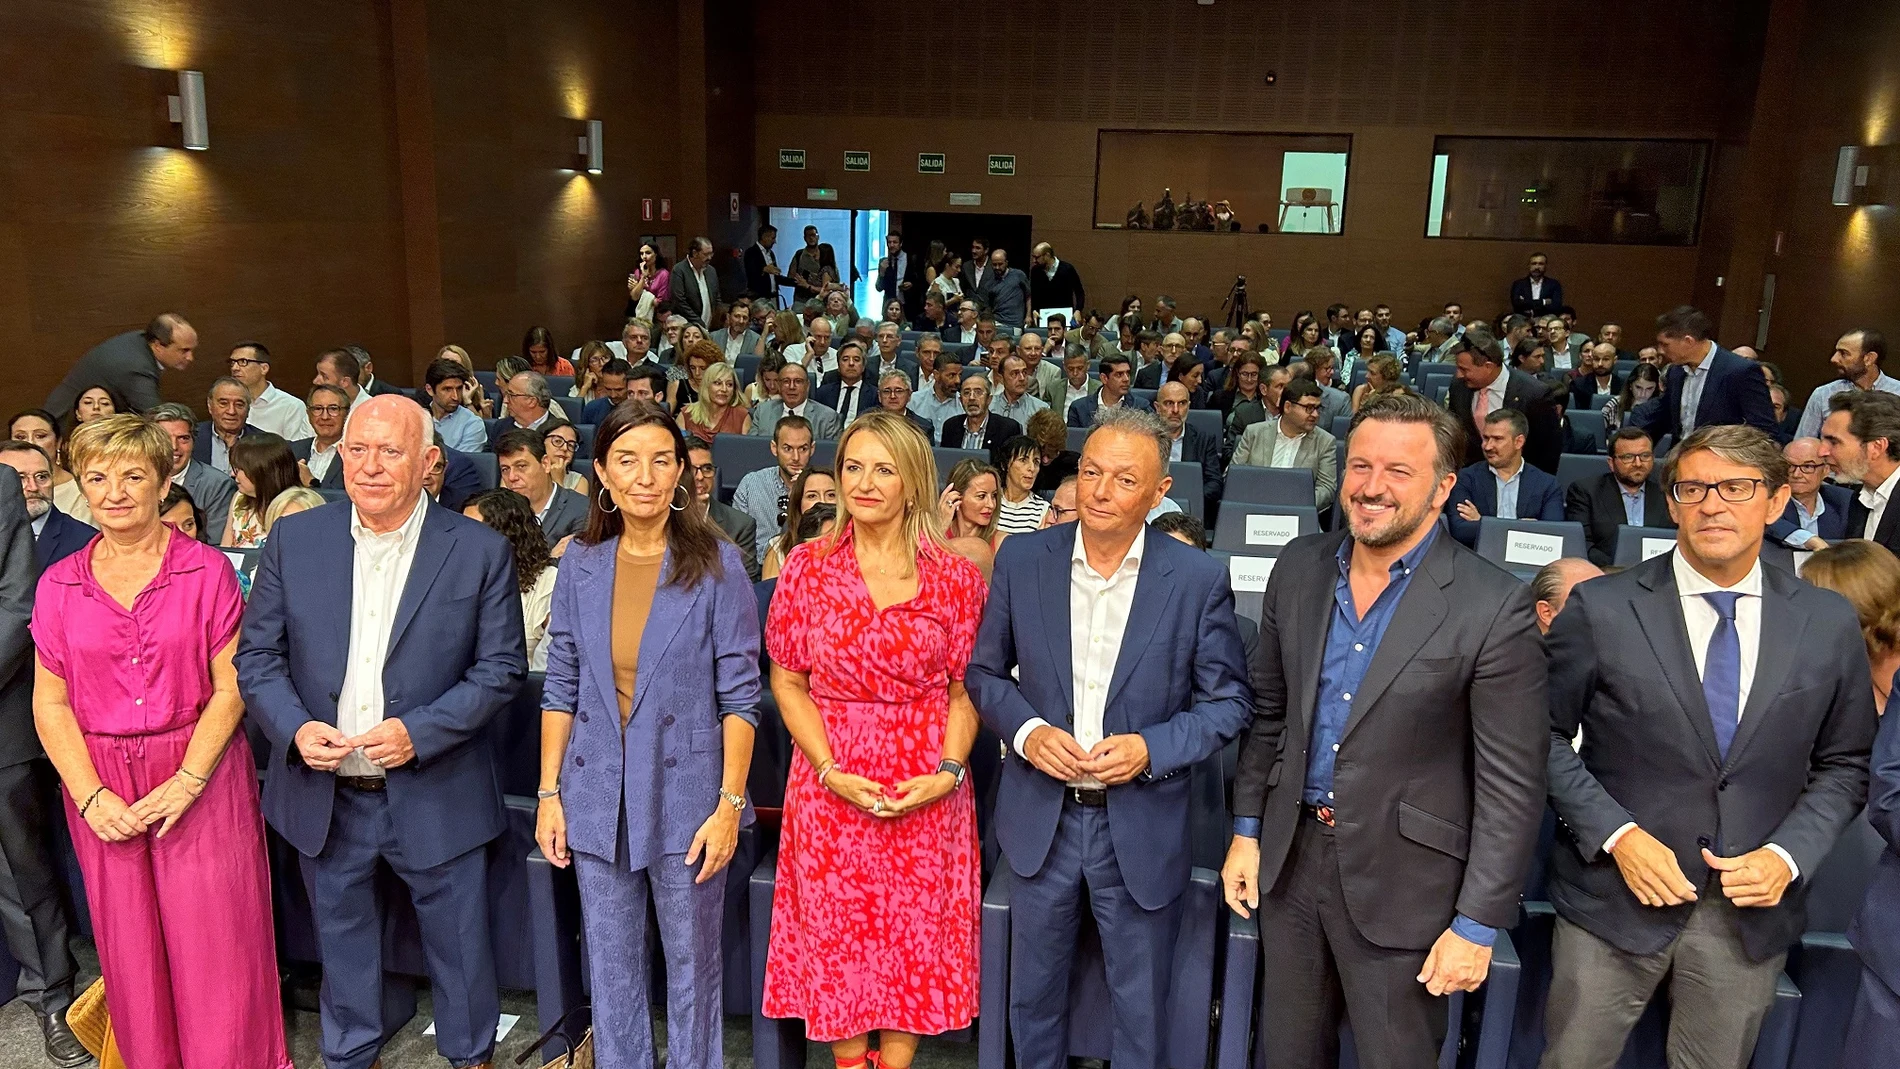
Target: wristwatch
736	801
954	768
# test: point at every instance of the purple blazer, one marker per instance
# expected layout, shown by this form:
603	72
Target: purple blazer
699	663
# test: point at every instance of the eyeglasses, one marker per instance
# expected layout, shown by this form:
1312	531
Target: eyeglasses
325	410
1313	406
1634	456
708	470
1733	491
238	363
892	391
1808	468
1060	513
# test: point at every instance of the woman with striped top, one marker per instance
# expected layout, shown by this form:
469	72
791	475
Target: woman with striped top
1018	509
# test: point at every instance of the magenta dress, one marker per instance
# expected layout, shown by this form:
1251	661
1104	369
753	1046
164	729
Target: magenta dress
183	924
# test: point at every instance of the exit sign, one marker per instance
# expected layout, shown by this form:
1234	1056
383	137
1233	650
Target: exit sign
857	161
1002	165
791	159
930	163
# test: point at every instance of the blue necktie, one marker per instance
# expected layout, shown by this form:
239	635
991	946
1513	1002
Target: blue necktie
1722	671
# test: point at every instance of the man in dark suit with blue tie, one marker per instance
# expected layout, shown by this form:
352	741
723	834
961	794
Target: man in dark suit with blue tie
1391	785
1093	804
1501	484
1704	384
1727	711
408	640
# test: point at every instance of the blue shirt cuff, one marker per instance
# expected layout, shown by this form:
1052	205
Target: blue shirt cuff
1472	932
1800	538
1247	827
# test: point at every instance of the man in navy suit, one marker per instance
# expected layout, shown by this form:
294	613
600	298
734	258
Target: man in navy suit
1816	516
1501	484
1705	384
1727	711
1860	440
1131	672
56	535
230	406
1537	294
382	636
1117	374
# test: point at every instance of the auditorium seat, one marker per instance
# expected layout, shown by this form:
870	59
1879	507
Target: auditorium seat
950	458
558	385
584	450
1077	436
739	455
1587	427
1823	965
487	380
1634	545
1146	395
1574	466
1341	425
1247	576
1269	486
570	406
747	365
1207	421
1523	546
1186	490
824	454
1238	530
487	468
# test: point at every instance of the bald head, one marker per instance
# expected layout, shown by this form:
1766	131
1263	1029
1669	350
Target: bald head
1552	584
1806	469
387	450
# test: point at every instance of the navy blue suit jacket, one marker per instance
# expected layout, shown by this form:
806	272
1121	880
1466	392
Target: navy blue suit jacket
1538	498
457	655
201	441
1735	393
1832	523
1082	410
1873	932
1179	681
1550	299
62	537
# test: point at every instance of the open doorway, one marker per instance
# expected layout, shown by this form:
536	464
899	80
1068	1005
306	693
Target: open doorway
957	230
855	237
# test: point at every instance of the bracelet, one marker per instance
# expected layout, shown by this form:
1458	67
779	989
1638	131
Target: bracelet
736	801
545	795
193	776
828	769
91	798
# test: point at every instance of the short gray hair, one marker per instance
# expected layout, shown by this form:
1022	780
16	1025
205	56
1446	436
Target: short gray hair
893	373
535	385
1137	422
1442	325
226	380
171	412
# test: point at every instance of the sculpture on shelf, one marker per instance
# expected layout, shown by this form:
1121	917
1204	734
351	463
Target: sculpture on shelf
1138	216
1164	211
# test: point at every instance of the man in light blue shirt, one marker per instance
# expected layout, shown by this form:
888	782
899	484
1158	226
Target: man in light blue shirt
941	399
461	429
1857	359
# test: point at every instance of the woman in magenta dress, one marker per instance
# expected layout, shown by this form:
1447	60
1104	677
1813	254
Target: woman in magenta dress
136	701
875	917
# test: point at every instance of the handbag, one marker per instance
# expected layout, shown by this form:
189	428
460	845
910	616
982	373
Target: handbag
91	1024
579	1053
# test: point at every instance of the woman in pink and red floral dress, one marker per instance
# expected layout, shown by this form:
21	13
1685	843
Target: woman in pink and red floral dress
875	918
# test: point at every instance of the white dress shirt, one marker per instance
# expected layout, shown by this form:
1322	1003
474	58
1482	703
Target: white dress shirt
1286	451
851	398
1692	382
1098	615
280	414
1700	618
321	459
381	570
1492	396
1876	502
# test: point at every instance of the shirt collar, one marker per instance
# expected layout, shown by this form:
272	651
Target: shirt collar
408	534
1131	561
1707	359
1692	584
1629	492
1513	475
1404	566
1881	494
39	523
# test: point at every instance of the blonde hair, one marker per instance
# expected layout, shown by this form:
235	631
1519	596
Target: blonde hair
916	467
969	471
700	411
1868	576
121	437
456	353
301	496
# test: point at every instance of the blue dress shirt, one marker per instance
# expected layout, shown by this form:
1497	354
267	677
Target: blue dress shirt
1633	504
1351	643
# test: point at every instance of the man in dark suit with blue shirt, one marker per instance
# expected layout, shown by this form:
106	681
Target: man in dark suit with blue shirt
1816	516
1704	385
1117	376
1131	672
1392	783
1502	484
1537	294
1727	713
56	535
408	640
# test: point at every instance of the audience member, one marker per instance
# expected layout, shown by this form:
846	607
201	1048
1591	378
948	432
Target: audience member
844	390
942	401
563	443
1053	805
1019	509
1005	290
1596	377
1705	384
736	338
262	466
1482	385
530	405
736	525
128	364
184	930
1643	383
1869	578
762	494
1075	383
1858	359
1552	584
1871	1035
1117	376
452	637
55	534
340	368
694	355
888	355
719	409
861	722
812	488
1501	484
508	513
210	489
894	395
764	380
968	504
523	457
328	408
230	406
271	409
288	502
1860	441
1816	516
978	429
1188	444
794	399
1014	400
588	360
1379	795
1440	343
97	402
814	268
1769	757
1293	439
41	428
1054	283
1044	373
1563	350
1626	495
1334	402
762	274
694	286
1383	376
1058	460
372	385
446	381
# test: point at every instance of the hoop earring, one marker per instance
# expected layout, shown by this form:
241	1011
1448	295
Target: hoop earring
677	487
607	505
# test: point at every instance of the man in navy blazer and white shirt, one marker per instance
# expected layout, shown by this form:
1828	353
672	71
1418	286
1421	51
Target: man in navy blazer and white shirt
1501	484
1704	384
1816	516
1727	715
382	636
1131	672
56	535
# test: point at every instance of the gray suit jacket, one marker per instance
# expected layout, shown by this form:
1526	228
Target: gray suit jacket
1622	669
212	490
122	364
1057	397
19	574
742	529
566	515
825	423
1318	451
721	336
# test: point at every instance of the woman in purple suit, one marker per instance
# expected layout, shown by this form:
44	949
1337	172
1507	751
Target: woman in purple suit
646	736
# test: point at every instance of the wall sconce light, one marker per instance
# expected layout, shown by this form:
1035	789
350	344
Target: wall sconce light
1864	174
1850	177
590	150
187	109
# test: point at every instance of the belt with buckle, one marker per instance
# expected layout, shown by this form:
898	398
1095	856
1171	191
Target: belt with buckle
1321	813
1092	797
363	783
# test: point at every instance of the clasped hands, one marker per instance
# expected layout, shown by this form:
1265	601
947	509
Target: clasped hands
323	747
1755	879
874	799
1114	761
113	821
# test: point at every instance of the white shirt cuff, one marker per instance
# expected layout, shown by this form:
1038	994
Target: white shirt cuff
1793	869
1034	722
1610	843
1800	539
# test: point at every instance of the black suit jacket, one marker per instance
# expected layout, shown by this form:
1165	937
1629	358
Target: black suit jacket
1621	668
1440	768
201	440
1840	503
61	537
1529	395
1551	299
1597	503
757	282
1062	291
741	528
1889	533
891	286
19	576
832	391
684	296
333	476
1584	390
996	430
1148	376
1735	393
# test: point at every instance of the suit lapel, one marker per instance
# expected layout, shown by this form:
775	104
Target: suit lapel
1419	614
1153	591
1055	615
1312	616
433	548
1659	613
1775	658
596	596
665	620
